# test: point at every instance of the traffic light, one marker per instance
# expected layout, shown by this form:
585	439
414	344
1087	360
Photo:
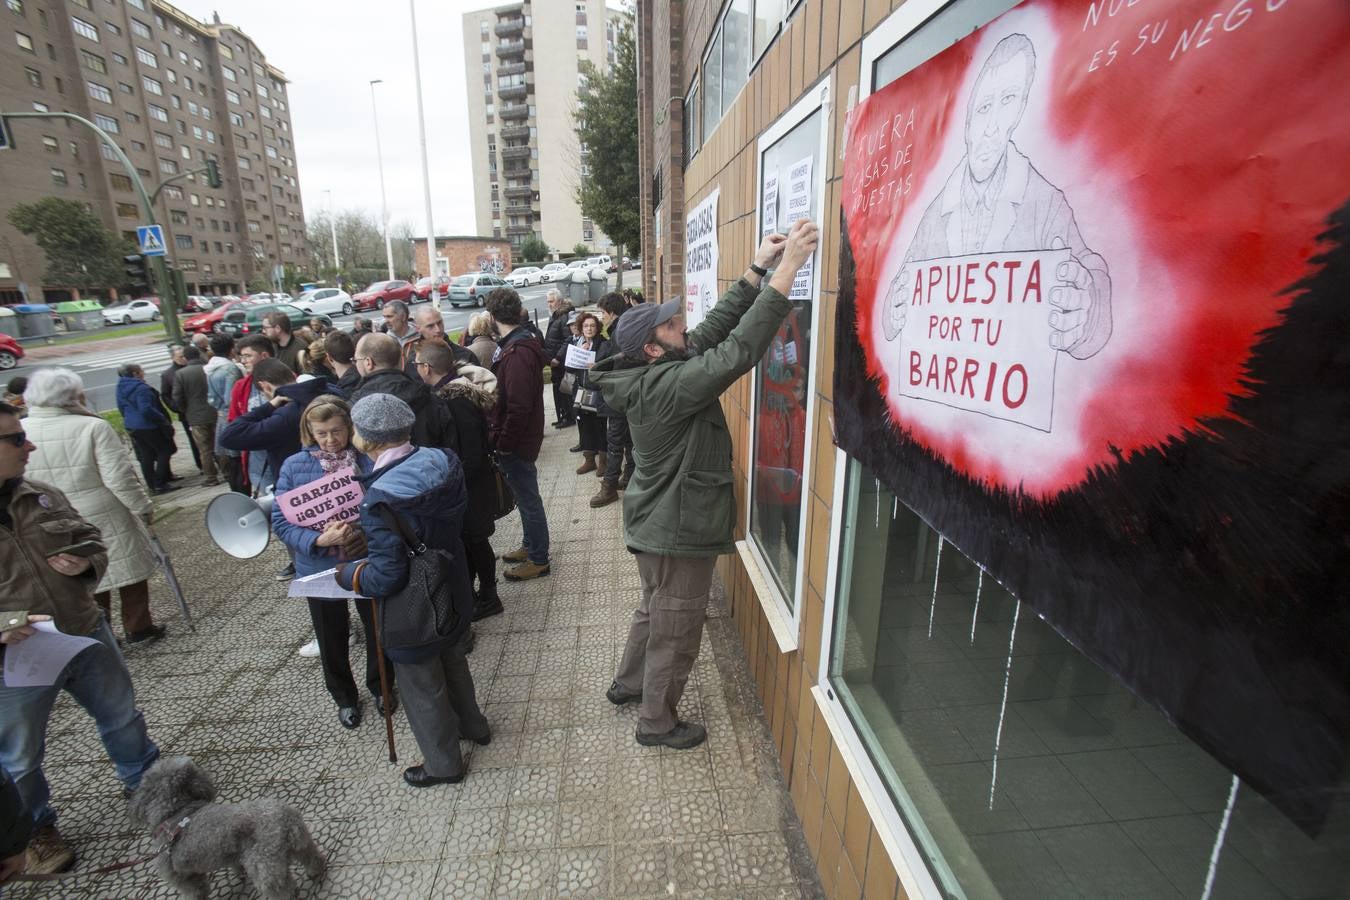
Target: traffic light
212	174
137	276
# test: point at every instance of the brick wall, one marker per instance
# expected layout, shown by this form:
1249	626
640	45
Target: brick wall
465	254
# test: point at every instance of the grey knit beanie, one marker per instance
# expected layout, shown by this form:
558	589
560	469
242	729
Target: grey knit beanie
382	419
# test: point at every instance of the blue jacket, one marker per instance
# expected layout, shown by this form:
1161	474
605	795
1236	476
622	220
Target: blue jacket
427	490
302	468
140	408
275	430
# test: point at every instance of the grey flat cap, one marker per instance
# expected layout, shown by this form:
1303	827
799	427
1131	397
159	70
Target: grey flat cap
636	325
383	419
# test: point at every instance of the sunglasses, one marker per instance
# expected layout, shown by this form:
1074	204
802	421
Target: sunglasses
17	438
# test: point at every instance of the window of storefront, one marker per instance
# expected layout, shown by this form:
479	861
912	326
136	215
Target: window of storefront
1006	763
793	158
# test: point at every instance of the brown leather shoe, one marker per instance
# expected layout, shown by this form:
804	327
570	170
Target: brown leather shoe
623	481
526	571
601	461
589	464
606	496
517	555
48	852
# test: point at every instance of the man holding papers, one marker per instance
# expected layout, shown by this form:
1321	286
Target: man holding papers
50	561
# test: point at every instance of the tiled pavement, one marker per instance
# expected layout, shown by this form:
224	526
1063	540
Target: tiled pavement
562	803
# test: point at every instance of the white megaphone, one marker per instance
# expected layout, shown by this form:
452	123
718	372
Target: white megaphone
240	526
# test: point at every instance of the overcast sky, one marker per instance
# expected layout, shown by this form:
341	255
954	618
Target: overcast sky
330	51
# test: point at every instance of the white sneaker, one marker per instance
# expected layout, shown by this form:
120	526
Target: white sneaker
311	649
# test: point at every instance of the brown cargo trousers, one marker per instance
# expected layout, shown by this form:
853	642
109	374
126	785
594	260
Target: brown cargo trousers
664	638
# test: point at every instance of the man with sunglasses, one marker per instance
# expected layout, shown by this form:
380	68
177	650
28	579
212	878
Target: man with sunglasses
50	562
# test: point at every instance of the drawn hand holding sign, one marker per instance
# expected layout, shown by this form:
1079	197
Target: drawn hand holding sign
995	200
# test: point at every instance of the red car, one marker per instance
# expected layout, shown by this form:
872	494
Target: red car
422	290
210	322
380	292
11	351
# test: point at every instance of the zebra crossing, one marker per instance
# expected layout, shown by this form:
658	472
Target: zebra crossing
153	359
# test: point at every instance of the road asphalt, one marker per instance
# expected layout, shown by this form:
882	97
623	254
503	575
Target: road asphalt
97	363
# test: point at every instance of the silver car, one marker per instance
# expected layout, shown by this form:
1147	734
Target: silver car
472	289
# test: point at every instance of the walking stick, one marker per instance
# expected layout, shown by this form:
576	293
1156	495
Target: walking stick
384	680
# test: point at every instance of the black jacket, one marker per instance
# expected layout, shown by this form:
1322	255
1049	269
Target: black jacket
557	335
468	406
433	427
275	430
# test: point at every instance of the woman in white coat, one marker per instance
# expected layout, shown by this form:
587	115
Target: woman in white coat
80	453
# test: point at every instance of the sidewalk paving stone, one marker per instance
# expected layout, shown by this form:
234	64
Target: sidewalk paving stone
562	803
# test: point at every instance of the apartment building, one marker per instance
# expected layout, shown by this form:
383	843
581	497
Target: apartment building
525	57
174	92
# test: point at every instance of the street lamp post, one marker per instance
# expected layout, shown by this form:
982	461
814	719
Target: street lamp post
422	136
332	227
384	200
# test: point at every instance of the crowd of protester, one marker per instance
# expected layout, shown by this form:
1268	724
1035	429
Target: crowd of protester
434	429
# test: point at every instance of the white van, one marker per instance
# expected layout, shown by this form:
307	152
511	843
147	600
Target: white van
603	261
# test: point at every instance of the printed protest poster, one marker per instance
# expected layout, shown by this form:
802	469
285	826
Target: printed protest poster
769	206
799	207
333	497
1092	330
577	358
700	260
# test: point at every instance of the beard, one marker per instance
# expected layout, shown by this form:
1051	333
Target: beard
675	352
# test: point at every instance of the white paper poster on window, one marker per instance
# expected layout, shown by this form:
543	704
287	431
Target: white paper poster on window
799	207
769	206
700	260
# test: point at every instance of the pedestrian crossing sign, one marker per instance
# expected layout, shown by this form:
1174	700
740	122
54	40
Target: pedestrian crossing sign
151	239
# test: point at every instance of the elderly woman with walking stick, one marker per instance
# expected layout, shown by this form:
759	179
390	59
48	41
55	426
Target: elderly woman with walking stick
412	515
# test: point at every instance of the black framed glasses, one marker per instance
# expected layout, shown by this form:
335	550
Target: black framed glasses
17	438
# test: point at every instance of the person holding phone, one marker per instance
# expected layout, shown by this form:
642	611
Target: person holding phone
51	561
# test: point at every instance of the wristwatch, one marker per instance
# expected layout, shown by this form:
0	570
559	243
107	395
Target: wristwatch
758	270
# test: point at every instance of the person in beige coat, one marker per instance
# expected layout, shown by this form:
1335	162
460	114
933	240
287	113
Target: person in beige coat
80	453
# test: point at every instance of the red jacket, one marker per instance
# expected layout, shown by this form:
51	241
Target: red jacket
516	423
239	394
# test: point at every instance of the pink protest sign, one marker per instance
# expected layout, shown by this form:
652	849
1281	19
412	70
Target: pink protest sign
334	497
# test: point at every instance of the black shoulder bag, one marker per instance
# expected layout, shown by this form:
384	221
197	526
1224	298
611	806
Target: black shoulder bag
421	616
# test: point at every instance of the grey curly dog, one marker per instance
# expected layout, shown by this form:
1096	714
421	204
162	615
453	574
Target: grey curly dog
260	837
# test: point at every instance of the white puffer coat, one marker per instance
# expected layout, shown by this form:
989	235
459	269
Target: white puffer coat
84	457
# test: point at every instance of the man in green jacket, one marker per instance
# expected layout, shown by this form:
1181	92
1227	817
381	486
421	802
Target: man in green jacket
679	509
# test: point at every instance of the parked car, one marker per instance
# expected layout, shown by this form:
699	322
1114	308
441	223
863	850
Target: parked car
603	261
550	271
249	319
143	310
524	276
210	322
634	262
11	351
332	301
473	289
423	289
380	292
197	303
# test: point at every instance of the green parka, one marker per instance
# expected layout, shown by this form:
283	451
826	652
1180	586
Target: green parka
681	501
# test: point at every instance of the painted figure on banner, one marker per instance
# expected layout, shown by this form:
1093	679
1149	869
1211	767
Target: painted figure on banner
994	203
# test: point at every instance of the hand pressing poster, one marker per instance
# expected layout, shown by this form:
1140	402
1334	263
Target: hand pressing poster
1092	328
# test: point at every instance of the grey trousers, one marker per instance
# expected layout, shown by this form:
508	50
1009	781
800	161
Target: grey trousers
439	698
664	637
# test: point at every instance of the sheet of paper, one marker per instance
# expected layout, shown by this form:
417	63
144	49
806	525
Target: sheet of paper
321	586
578	359
799	207
37	661
770	205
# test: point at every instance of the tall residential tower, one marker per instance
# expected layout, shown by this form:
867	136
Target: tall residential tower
174	92
525	57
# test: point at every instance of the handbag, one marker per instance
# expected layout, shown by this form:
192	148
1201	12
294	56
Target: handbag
568	384
420	618
587	400
504	501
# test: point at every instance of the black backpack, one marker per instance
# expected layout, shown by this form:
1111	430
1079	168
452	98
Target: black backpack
420	619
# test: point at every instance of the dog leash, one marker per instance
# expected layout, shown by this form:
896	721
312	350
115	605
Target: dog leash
167	837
